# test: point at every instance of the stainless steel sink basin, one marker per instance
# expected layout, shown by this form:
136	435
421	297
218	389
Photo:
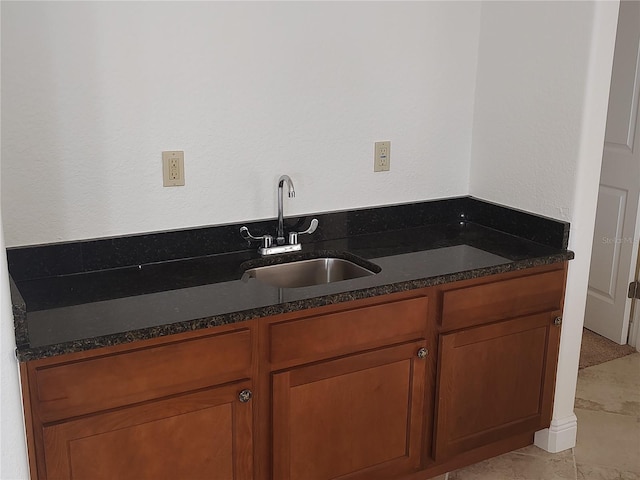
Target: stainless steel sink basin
305	273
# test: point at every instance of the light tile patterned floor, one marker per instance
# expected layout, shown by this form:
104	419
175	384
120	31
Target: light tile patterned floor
608	444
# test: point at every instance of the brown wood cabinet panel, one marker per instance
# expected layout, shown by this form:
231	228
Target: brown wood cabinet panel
110	381
202	435
476	305
324	336
354	417
495	381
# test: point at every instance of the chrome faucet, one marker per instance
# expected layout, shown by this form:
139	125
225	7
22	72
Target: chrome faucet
267	245
280	240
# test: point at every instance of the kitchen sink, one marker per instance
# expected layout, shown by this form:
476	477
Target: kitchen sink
305	273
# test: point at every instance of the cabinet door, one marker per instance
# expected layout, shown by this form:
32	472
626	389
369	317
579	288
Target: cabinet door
202	435
494	382
359	416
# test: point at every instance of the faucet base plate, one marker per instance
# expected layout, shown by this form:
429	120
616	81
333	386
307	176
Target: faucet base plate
276	249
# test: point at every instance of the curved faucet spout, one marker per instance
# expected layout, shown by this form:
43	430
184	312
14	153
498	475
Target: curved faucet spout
280	240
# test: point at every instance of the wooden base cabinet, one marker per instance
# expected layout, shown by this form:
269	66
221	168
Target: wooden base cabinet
201	435
498	353
354	417
396	387
496	381
167	408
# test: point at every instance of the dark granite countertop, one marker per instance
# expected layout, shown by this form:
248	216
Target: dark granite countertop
83	295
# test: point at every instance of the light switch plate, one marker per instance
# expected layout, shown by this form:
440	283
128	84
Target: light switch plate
173	168
382	157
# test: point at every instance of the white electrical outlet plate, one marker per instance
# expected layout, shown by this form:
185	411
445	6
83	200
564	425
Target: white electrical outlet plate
173	168
382	157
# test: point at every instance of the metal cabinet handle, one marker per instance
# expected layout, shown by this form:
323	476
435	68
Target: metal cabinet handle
245	395
423	352
557	321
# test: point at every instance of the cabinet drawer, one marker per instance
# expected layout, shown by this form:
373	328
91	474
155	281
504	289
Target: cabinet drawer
477	305
323	336
109	381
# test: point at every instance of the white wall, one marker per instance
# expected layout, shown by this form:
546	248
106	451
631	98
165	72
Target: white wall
13	450
94	91
541	105
13	454
529	103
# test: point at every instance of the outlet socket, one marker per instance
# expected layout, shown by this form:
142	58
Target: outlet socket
173	168
382	157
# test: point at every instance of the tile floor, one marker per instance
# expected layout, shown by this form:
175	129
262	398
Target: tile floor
608	444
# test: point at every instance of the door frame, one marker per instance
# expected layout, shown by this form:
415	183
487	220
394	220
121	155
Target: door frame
634	327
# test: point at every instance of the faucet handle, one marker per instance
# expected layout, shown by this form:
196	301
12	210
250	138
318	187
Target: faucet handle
312	228
265	240
244	233
293	236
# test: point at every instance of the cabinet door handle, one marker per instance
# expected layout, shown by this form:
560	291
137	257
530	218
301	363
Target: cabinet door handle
245	395
557	321
423	352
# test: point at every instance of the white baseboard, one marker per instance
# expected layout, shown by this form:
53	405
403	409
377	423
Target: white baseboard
561	435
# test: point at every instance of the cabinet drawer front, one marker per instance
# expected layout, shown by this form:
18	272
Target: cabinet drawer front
99	383
323	336
469	306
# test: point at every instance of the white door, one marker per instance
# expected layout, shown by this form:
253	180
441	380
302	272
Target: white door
617	229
